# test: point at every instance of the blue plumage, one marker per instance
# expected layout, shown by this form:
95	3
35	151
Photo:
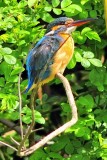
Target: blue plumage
30	64
40	59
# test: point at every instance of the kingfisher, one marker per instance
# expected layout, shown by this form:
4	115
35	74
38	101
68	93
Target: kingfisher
53	52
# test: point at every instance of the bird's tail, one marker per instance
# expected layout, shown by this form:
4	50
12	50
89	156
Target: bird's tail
30	83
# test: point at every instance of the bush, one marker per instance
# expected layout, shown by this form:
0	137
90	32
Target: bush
22	25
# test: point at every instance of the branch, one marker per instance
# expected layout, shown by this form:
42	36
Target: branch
62	128
11	125
8	145
20	106
2	155
31	125
17	143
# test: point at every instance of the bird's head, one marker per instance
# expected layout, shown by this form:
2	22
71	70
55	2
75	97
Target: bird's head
64	24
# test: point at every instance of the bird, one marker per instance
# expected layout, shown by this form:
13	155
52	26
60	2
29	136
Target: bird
52	53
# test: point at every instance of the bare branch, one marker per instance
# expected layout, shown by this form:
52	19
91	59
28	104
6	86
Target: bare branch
20	106
17	143
2	155
32	124
69	94
39	129
11	125
8	145
62	128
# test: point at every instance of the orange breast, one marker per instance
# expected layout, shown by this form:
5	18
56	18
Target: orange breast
61	58
63	55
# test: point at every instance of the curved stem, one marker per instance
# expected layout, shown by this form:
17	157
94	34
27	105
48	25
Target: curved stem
20	106
8	145
31	125
62	128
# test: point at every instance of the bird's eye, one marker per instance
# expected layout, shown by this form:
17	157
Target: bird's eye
67	23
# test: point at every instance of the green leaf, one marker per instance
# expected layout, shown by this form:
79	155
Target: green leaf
73	8
31	2
97	78
72	63
26	110
26	119
46	17
48	8
55	3
86	101
85	30
75	36
65	3
93	13
2	95
93	35
5	69
13	116
78	57
85	63
69	148
84	1
101	44
17	70
77	157
87	134
44	98
1	57
2	81
60	144
80	132
81	39
21	42
40	120
10	59
13	78
40	154
105	79
77	7
55	155
57	11
83	14
7	50
88	54
65	107
96	62
22	4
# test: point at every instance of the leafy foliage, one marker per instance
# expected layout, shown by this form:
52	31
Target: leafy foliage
22	25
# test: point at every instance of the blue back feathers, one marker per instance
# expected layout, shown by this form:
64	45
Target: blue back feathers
29	65
57	21
40	58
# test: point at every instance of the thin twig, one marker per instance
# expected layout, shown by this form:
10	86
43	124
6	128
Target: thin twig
32	123
20	106
11	125
2	155
39	129
8	145
62	128
15	141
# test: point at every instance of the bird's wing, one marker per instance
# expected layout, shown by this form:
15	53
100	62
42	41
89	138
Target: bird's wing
40	58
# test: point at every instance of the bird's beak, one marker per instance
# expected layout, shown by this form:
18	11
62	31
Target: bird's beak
72	26
82	22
